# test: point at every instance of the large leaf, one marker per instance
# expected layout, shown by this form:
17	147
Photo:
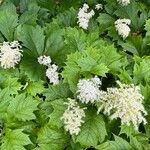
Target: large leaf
22	107
92	131
15	140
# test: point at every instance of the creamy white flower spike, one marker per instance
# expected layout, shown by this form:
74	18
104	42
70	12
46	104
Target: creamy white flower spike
98	6
52	74
122	26
84	16
44	60
125	103
88	90
10	54
124	2
73	117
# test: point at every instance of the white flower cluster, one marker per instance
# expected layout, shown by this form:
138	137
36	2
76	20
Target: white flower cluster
51	71
84	16
125	103
73	117
44	60
88	90
123	2
122	26
98	6
52	74
10	54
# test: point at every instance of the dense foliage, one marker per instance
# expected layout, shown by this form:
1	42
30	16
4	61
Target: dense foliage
74	81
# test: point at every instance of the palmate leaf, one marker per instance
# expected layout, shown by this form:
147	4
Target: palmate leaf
15	140
92	131
22	107
98	59
8	21
51	138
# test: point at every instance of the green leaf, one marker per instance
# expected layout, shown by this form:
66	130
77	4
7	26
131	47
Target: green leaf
15	140
32	38
141	72
58	91
135	143
30	67
98	60
75	39
22	107
147	27
54	45
28	18
125	76
8	21
140	142
128	130
132	12
12	85
118	144
4	103
67	18
105	21
58	110
92	131
71	72
34	88
52	138
50	5
100	70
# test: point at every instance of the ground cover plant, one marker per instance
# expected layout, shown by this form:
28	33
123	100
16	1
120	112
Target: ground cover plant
74	75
